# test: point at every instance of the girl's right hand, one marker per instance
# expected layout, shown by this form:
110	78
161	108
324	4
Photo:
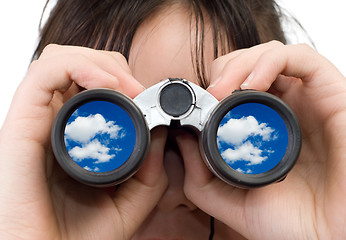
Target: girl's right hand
37	199
310	202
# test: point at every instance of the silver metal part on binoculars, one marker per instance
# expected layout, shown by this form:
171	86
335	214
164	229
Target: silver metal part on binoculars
200	107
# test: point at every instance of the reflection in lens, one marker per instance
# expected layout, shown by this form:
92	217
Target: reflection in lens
252	138
99	136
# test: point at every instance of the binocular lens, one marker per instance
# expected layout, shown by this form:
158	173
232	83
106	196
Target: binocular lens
252	138
100	137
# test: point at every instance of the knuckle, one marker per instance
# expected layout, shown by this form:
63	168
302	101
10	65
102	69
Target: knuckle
276	43
215	70
219	63
50	48
215	65
306	47
34	64
34	67
119	57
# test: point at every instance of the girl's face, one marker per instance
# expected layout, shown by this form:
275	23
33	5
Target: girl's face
162	49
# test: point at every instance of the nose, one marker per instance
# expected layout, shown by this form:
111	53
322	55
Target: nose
174	196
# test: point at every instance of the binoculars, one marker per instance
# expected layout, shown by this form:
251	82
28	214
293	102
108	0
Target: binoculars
249	139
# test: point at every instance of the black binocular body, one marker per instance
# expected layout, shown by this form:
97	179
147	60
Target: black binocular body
249	139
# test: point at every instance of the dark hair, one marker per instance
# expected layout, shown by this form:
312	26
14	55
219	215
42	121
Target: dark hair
111	24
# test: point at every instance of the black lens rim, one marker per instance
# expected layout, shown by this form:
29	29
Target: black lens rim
118	175
243	180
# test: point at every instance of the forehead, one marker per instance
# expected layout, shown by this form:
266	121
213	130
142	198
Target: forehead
164	46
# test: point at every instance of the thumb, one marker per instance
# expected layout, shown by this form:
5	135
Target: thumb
138	196
218	199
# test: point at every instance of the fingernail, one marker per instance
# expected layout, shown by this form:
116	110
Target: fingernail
140	85
247	82
213	84
144	88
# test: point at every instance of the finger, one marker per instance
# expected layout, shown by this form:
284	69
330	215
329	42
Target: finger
100	56
152	168
219	64
228	73
49	75
136	198
112	62
207	192
283	83
298	61
195	169
73	90
235	68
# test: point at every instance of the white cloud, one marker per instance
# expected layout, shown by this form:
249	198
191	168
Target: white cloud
236	131
94	150
84	129
95	169
243	171
245	152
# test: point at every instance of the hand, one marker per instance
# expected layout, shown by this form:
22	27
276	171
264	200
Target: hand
310	202
37	199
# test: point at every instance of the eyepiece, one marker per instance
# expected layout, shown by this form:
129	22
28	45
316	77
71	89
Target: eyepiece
100	137
251	139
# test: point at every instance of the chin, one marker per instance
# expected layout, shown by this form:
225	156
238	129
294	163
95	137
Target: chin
180	224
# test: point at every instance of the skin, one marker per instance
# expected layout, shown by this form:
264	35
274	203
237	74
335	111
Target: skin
38	200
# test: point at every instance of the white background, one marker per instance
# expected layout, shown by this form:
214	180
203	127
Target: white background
19	20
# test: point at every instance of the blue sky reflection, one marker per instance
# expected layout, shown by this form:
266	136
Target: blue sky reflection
252	138
100	136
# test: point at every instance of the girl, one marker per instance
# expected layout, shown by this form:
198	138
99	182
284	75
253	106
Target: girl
130	45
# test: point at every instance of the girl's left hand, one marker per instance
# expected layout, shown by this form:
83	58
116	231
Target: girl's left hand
310	202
